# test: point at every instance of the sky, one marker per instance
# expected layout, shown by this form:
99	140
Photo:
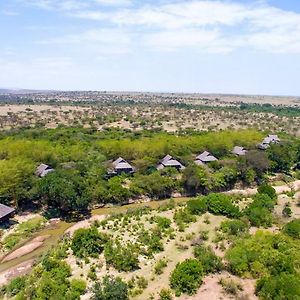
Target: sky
201	46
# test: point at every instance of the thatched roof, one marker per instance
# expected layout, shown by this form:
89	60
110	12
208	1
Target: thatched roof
169	161
239	150
42	170
206	157
5	210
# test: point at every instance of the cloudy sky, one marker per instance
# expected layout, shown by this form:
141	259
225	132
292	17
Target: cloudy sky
229	46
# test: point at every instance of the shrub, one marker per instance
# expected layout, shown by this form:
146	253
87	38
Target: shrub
287	211
159	266
234	227
183	216
187	277
230	286
264	254
165	295
15	286
220	204
293	229
210	262
88	242
197	206
282	286
110	288
162	222
268	190
259	211
152	240
122	257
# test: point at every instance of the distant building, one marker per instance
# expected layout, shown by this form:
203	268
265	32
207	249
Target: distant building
240	151
270	139
120	165
169	162
42	170
204	158
6	212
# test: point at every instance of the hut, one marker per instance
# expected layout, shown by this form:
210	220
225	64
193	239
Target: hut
42	170
239	151
204	158
169	162
5	212
120	165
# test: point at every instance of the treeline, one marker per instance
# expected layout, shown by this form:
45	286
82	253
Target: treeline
80	158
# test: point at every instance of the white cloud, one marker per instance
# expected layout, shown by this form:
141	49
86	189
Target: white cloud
207	26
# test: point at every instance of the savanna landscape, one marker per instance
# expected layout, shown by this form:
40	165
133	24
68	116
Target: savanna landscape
223	228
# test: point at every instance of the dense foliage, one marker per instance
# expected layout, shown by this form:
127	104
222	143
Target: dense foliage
88	242
50	279
293	229
273	258
186	277
110	288
81	157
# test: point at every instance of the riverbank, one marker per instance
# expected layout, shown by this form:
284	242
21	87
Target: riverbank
54	234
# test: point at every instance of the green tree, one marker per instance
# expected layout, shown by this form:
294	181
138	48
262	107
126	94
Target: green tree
110	288
88	242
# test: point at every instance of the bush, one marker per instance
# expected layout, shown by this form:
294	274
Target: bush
88	242
110	288
220	204
268	190
234	227
259	211
165	295
152	240
159	266
187	277
162	222
15	286
122	257
264	254
282	286
230	286
287	211
183	216
209	261
197	206
293	229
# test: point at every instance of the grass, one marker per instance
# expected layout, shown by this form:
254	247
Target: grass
23	231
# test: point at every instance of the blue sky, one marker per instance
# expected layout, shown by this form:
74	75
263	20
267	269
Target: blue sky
221	46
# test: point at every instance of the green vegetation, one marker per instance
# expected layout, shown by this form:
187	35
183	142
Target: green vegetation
88	242
293	229
218	204
122	257
50	279
23	231
80	157
273	258
209	261
110	288
159	266
186	277
234	227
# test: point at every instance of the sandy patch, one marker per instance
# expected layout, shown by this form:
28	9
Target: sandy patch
16	271
212	290
29	247
84	224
